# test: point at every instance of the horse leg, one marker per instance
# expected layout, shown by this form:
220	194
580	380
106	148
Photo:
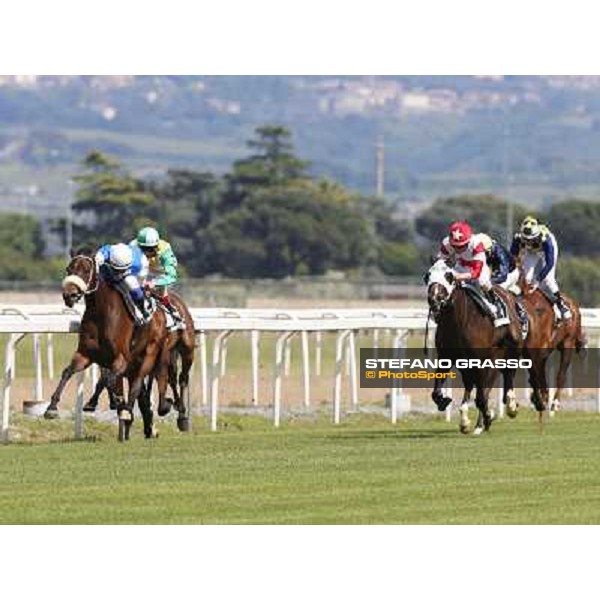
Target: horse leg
537	380
92	404
486	416
469	383
183	421
510	398
145	405
441	401
566	355
136	384
78	363
173	378
163	376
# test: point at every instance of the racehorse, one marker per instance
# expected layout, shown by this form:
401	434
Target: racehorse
109	337
181	346
464	331
545	336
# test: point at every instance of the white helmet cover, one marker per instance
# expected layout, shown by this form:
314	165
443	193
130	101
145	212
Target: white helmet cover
120	257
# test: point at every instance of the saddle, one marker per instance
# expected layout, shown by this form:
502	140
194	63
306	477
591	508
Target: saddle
555	310
474	292
133	310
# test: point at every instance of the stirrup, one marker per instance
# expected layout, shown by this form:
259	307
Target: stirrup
501	321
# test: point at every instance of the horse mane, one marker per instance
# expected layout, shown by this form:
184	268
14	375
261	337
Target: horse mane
82	250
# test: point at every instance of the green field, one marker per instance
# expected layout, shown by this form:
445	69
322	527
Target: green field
364	471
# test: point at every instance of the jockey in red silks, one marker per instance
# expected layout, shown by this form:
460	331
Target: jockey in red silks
467	251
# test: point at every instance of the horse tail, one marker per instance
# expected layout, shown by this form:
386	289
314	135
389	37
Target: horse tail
581	341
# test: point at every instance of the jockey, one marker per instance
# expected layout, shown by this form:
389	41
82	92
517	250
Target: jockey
504	271
468	252
163	267
120	262
536	245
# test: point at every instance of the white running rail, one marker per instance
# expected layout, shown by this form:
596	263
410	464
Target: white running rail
221	323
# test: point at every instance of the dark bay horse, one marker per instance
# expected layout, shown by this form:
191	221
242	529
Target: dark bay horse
545	336
463	331
108	336
180	345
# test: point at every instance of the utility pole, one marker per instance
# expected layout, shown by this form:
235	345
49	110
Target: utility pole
507	183
379	167
69	222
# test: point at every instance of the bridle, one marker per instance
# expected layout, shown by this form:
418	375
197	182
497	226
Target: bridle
83	286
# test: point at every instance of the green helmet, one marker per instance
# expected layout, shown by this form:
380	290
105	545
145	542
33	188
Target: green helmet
148	238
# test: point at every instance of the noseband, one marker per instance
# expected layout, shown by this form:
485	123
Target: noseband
79	283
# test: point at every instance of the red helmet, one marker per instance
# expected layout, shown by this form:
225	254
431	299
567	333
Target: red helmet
460	234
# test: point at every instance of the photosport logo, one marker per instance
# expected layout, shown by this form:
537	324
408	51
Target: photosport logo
408	367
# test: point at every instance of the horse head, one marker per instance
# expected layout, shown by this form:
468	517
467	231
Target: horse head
81	278
440	285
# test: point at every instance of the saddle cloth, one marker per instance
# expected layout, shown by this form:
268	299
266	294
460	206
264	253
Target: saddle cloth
475	293
133	310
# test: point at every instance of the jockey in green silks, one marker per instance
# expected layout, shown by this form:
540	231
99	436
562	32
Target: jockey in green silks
162	268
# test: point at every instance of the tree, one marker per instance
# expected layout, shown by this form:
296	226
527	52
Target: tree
579	278
22	255
576	224
289	230
485	213
110	204
187	202
273	163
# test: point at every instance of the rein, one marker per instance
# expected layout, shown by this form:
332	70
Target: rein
425	348
75	279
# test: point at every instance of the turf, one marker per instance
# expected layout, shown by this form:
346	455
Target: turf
363	471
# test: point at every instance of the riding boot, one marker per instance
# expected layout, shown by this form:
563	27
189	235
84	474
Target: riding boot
523	320
141	304
177	318
562	306
500	318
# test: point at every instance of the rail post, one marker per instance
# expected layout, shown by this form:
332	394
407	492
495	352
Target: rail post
214	389
255	351
9	374
282	340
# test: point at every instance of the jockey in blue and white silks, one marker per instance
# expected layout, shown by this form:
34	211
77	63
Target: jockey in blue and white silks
536	246
120	262
502	265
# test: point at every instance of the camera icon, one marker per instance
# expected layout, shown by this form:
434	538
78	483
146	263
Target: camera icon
370	374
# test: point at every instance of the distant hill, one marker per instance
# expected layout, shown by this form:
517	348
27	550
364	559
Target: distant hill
534	138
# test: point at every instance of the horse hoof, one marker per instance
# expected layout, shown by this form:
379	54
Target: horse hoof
89	408
51	413
152	434
163	411
478	431
183	424
512	410
443	403
465	428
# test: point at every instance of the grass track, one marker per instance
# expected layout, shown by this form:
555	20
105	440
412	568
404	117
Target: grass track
364	471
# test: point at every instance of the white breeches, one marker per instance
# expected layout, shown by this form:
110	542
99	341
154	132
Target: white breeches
532	266
132	282
485	277
512	279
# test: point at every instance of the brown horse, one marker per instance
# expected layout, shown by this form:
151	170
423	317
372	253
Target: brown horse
108	336
545	336
180	346
464	331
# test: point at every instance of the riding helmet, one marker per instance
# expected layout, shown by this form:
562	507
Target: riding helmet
148	238
460	233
